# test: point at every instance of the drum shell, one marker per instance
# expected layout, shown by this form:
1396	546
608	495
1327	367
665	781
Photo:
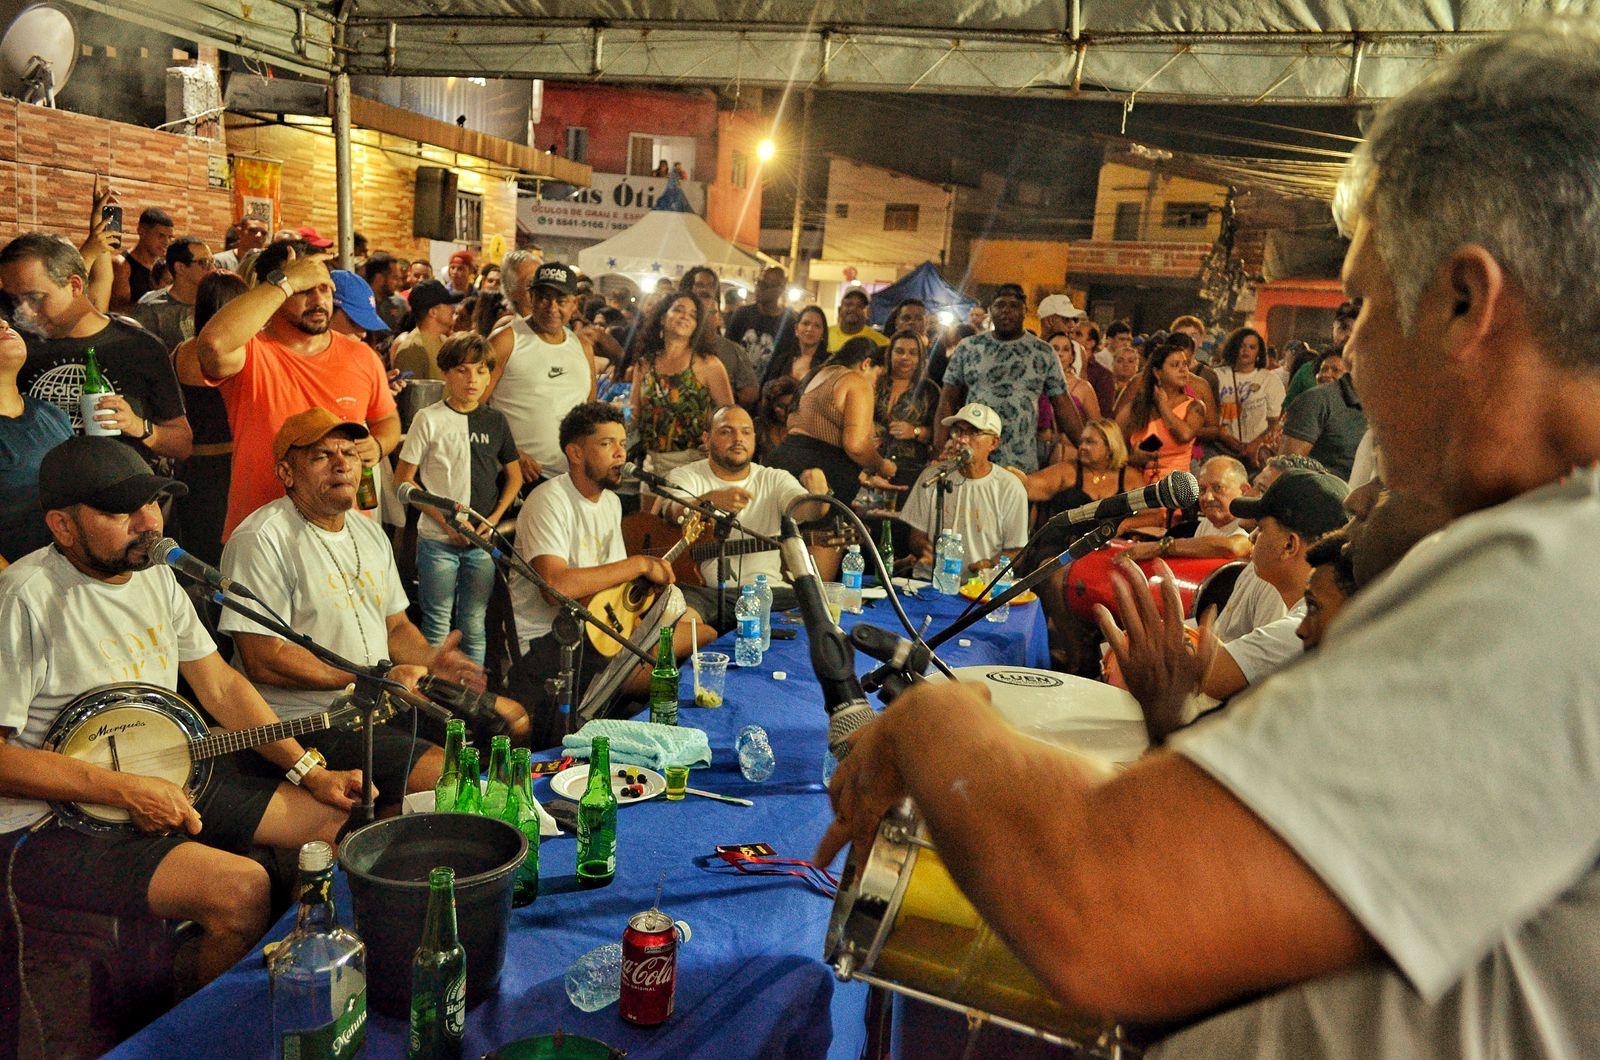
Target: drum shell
1088	580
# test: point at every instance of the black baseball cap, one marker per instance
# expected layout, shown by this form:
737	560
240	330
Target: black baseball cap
557	276
103	473
430	293
1310	503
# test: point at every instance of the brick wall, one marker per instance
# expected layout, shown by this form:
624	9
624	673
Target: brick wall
385	174
1152	259
49	159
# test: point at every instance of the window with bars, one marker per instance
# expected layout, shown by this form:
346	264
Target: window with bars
900	217
469	217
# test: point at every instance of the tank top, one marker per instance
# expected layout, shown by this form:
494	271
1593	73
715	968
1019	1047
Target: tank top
1173	454
818	415
542	382
674	411
138	279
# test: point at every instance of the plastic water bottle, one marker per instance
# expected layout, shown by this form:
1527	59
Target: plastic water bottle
594	980
764	594
747	638
852	570
1001	583
755	753
952	563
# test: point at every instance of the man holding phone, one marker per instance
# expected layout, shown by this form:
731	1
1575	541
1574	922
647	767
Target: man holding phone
131	269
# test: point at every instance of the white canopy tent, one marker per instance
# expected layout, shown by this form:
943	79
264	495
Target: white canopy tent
1239	51
668	243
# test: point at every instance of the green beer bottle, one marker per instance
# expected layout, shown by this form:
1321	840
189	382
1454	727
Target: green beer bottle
318	972
664	683
886	547
498	790
449	784
439	977
367	490
470	798
597	821
94	388
520	812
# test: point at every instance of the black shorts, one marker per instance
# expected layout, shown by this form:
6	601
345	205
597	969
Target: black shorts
394	754
110	872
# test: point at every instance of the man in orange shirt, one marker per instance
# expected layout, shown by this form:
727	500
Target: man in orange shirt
271	353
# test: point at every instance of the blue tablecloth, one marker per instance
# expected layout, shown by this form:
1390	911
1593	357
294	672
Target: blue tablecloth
751	982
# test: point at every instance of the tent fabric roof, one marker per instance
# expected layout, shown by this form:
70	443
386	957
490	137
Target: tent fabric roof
922	282
668	243
1279	51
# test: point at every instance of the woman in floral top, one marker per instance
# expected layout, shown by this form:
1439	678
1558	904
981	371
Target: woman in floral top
677	383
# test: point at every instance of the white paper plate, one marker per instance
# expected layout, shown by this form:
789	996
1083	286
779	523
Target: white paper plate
569	783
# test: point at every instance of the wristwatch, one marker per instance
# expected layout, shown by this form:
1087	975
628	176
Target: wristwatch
308	761
277	278
149	429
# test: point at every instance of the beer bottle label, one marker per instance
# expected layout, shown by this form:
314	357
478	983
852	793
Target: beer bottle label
343	1037
455	1007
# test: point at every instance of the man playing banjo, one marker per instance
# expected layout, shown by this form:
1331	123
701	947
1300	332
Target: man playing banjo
87	612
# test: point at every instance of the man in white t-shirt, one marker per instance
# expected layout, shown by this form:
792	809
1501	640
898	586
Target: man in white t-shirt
730	479
89	612
1220	534
1387	849
570	531
330	574
988	510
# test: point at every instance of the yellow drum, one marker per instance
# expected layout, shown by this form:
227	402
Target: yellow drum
900	922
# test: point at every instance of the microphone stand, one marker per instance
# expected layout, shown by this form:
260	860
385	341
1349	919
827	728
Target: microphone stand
563	686
893	680
372	685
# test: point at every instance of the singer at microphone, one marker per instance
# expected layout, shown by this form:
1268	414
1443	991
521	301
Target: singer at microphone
984	504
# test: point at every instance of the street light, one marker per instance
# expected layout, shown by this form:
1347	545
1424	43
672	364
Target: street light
766	149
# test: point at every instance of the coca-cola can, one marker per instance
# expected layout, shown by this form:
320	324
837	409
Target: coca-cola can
649	968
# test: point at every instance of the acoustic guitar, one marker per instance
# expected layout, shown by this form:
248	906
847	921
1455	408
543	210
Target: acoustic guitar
621	606
154	732
646	533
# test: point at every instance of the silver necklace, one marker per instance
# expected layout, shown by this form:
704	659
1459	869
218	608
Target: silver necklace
350	583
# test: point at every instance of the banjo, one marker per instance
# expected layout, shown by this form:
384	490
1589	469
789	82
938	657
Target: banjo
154	732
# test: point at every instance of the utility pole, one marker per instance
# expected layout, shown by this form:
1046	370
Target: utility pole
799	191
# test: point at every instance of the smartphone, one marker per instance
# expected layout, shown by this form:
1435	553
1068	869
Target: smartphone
112	214
1150	444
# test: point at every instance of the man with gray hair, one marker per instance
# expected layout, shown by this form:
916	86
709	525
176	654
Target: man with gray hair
1388	848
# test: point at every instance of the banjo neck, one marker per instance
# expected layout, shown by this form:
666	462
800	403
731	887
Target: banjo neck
227	741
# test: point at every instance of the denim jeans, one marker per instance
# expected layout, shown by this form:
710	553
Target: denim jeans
451	578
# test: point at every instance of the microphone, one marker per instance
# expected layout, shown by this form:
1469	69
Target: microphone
832	658
1178	490
477	708
650	478
410	493
172	554
963	455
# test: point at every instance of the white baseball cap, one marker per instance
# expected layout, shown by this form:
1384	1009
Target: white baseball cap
978	415
1059	305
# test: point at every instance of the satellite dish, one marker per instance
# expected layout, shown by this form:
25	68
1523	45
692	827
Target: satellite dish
37	55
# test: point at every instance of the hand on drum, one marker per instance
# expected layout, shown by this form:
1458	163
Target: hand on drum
868	780
158	807
1162	661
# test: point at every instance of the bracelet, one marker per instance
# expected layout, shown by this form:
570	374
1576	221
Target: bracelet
1164	547
308	761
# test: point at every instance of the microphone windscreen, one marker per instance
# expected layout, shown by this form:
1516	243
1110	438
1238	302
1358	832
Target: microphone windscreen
1179	490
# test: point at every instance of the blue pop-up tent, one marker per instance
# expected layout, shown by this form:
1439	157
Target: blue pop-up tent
922	282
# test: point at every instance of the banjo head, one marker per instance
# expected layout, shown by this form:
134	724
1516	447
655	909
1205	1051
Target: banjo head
130	728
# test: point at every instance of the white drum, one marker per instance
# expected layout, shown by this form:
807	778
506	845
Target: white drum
1091	717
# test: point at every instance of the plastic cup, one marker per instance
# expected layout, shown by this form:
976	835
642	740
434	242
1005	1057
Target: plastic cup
711	668
834	594
677	781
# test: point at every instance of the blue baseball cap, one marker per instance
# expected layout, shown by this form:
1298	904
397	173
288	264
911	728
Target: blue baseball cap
353	294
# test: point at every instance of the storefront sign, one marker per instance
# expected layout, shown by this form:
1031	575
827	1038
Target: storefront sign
611	204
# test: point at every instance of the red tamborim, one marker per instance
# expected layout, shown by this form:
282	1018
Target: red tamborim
1089	579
